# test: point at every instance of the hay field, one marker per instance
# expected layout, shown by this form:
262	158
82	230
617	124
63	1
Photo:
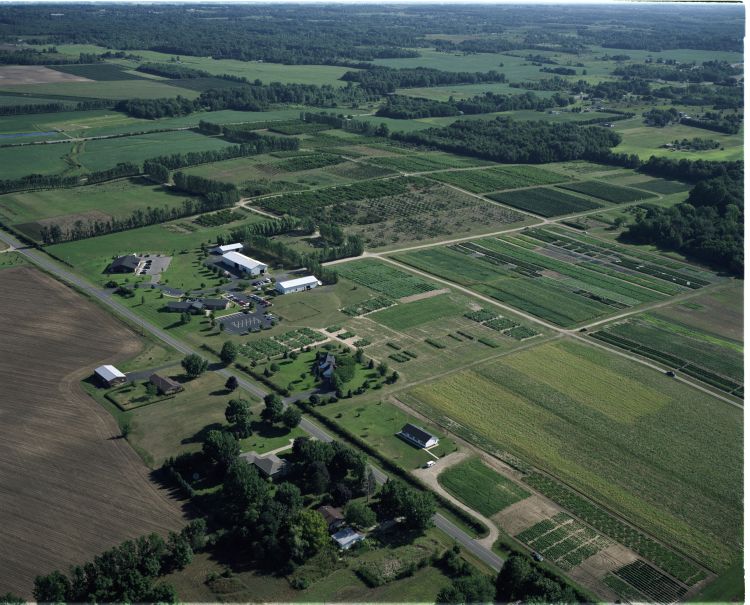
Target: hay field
70	487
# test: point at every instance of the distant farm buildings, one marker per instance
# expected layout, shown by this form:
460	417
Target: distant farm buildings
165	385
418	436
297	285
197	306
124	264
109	376
243	264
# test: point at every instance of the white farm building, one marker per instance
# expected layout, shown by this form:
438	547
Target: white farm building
298	285
244	264
228	248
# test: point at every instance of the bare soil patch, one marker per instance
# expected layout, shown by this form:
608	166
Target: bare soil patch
11	75
525	513
422	295
70	488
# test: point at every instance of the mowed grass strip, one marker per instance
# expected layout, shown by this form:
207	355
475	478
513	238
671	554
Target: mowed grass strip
494	179
481	488
544	201
403	317
616	194
663	455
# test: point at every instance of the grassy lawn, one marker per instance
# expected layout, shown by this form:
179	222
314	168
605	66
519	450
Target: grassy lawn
644	445
377	423
481	488
729	587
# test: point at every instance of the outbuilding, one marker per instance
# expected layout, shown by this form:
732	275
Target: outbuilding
418	436
269	465
124	264
346	538
244	264
228	248
109	376
333	517
298	285
215	304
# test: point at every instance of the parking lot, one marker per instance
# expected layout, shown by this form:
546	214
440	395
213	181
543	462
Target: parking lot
153	264
245	322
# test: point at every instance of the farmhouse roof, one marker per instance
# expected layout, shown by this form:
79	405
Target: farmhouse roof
416	433
331	514
307	280
108	372
129	261
164	383
243	261
269	465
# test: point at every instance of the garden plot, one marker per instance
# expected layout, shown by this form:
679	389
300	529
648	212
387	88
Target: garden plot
564	540
286	342
608	192
383	278
544	201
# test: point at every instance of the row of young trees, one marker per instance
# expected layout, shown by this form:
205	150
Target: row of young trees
55	107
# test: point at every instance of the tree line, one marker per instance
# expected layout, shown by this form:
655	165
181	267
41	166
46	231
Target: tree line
383	80
126	573
58	181
509	141
405	107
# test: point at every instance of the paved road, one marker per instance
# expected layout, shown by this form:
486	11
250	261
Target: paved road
41	260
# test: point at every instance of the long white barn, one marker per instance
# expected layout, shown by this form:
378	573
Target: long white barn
297	285
243	263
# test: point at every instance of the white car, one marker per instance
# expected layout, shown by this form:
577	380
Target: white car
429	464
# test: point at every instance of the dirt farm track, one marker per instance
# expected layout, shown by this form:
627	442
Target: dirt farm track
69	487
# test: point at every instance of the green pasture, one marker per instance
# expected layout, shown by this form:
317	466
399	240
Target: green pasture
480	487
105	153
663	455
464	91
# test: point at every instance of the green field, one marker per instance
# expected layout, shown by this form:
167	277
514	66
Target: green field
113	199
403	317
423	162
544	201
608	192
494	179
102	154
709	358
629	437
480	487
35	159
114	89
383	278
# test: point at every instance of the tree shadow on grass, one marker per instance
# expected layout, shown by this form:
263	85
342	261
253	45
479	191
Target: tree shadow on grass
201	435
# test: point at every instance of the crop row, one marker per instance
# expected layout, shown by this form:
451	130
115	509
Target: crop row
648	548
383	278
544	201
610	193
424	163
495	179
651	582
309	162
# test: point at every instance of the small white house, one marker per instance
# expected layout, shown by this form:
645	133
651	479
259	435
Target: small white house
109	375
243	263
228	248
298	285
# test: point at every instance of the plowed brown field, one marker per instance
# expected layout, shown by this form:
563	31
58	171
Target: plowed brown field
69	487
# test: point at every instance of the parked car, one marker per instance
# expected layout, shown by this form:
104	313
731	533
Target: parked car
537	556
429	464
